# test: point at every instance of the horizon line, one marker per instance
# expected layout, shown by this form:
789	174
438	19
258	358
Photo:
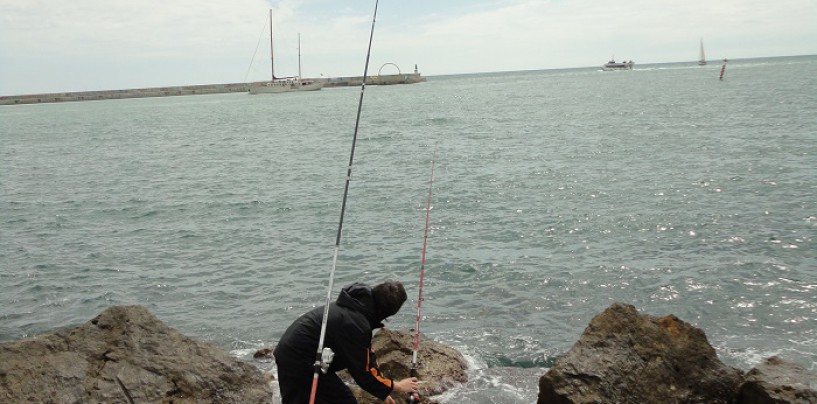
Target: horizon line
436	75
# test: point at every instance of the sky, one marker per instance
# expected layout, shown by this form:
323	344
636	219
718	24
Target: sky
84	45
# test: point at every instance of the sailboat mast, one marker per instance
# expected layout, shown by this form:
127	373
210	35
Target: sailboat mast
271	53
299	56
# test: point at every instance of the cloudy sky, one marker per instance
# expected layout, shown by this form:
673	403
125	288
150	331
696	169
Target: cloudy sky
79	45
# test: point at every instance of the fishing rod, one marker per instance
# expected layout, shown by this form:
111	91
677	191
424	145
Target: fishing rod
414	397
322	359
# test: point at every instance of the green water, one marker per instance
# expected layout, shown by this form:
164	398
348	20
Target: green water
556	194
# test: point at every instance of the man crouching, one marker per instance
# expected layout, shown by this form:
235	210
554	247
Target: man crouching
358	311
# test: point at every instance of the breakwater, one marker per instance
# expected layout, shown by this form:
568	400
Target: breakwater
410	78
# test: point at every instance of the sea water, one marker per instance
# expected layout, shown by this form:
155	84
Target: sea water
556	194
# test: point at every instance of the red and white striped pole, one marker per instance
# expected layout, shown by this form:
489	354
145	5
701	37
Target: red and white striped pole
414	398
723	68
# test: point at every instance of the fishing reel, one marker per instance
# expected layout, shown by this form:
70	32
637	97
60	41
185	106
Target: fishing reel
414	398
326	359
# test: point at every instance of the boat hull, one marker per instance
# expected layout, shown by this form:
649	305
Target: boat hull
285	87
618	66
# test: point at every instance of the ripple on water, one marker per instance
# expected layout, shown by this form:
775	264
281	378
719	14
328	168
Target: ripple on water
548	207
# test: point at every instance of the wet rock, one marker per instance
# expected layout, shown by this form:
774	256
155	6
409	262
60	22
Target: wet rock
440	367
263	353
778	381
125	355
625	357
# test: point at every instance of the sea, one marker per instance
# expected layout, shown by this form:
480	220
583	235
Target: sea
555	194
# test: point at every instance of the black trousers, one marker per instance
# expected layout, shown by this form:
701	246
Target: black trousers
295	382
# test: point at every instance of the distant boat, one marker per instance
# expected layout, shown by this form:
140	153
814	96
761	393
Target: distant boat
613	65
284	84
701	56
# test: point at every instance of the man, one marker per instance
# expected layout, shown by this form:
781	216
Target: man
358	311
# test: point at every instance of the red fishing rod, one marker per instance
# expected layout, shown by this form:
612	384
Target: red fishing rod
323	359
414	397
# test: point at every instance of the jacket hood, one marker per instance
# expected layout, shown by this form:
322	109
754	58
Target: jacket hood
358	297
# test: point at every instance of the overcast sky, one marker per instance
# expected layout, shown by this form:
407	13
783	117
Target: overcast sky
79	45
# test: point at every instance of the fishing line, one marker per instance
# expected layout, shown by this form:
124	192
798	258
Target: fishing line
414	397
319	359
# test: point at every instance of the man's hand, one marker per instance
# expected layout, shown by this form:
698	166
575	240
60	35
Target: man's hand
403	386
408	385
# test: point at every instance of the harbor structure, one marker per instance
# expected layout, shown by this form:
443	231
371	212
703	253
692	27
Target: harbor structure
409	78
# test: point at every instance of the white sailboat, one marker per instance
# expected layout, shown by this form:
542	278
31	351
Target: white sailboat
701	57
284	84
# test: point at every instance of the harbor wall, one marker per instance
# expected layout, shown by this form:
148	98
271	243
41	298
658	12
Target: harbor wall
119	94
195	90
410	78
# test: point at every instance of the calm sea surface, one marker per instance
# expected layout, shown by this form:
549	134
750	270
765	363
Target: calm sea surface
556	194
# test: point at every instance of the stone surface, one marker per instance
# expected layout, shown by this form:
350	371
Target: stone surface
440	367
625	357
125	355
778	381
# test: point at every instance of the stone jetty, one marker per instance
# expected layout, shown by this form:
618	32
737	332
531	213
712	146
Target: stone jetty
410	78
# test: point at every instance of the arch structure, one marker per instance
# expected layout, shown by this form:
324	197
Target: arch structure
386	64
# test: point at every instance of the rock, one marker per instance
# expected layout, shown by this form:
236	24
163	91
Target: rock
440	367
125	355
263	353
624	357
778	381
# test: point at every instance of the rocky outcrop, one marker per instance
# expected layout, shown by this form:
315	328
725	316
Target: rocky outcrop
778	381
440	367
125	355
625	357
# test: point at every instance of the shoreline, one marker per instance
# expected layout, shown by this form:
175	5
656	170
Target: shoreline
622	356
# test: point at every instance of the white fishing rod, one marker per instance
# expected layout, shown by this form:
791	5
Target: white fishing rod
414	397
321	363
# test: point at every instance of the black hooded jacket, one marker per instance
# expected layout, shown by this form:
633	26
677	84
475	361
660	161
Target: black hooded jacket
352	318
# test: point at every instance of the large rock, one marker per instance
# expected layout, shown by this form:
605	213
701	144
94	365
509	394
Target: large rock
125	355
624	357
778	381
440	367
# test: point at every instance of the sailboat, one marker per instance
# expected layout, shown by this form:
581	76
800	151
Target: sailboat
701	57
284	84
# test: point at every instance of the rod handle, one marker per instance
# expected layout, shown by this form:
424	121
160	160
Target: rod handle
414	398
